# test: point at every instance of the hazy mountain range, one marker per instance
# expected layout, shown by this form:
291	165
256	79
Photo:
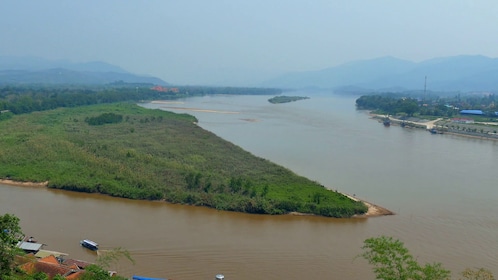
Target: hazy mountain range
27	70
458	73
464	73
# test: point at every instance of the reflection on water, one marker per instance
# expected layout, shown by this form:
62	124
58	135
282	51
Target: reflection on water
441	186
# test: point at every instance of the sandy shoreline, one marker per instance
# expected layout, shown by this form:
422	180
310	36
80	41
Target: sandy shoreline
200	110
373	209
428	124
18	183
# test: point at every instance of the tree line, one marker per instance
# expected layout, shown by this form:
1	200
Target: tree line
286	99
430	105
22	99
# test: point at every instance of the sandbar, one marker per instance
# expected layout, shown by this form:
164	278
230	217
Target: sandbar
19	183
373	209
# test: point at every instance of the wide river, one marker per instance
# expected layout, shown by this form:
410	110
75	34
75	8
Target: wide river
443	189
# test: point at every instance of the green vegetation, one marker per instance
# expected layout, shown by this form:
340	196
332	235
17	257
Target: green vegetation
5	115
411	111
430	106
286	99
11	234
73	140
154	155
392	261
388	105
30	98
100	270
104	119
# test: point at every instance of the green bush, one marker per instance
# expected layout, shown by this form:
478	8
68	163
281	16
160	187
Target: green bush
105	118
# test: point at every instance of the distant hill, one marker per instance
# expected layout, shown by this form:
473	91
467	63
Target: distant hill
27	70
457	73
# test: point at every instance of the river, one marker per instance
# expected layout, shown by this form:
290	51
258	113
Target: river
442	188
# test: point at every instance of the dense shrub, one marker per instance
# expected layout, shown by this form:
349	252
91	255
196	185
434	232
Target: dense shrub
104	119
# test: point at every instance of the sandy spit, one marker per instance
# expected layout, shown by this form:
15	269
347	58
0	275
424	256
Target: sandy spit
18	183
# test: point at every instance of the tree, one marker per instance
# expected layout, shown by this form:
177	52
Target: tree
99	271
10	235
95	272
40	276
110	257
392	261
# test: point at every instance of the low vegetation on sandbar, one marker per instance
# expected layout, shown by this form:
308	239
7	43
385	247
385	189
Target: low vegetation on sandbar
124	150
286	99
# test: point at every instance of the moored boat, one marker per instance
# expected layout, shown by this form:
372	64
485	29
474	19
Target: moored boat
387	122
31	239
435	131
89	244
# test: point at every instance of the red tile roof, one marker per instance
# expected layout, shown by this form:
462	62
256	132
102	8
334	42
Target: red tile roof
79	263
50	266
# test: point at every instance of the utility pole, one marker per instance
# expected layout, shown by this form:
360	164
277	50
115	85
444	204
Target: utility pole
425	86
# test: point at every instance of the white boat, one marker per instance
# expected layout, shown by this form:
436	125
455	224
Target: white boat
89	244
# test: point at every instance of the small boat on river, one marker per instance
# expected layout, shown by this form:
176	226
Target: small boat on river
387	121
89	244
435	131
31	239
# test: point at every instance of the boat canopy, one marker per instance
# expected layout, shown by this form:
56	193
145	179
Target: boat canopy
472	112
90	242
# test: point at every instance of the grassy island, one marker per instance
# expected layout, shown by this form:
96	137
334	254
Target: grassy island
124	150
286	99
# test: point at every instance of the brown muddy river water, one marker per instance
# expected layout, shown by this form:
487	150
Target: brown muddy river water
442	187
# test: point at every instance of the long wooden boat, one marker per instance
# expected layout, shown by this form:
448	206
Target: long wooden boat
89	244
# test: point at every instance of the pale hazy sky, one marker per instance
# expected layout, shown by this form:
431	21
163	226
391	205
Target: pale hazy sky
237	42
